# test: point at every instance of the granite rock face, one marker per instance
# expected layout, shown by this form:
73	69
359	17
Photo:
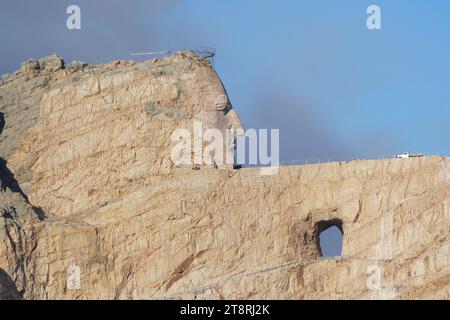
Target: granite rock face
93	207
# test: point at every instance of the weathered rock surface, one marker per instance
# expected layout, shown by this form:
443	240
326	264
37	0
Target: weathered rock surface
88	186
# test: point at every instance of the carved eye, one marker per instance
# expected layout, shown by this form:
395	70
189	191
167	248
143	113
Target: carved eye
221	103
223	107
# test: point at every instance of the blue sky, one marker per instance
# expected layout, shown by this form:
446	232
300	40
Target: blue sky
310	68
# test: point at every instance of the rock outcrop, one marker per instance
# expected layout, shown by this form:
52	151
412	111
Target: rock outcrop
92	207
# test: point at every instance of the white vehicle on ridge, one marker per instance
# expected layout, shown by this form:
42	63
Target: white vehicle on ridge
409	155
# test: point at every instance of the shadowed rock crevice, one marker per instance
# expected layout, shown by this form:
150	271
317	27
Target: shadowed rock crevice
2	122
7	181
8	289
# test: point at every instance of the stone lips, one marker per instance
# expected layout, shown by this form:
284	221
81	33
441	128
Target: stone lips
89	149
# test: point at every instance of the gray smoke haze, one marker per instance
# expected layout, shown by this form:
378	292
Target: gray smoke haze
113	29
303	132
308	132
109	30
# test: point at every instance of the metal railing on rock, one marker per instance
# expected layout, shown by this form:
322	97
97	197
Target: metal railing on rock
203	52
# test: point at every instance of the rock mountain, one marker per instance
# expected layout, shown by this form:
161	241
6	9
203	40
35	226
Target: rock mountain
92	207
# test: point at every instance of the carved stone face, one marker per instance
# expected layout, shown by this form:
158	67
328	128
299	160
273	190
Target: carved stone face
119	142
216	109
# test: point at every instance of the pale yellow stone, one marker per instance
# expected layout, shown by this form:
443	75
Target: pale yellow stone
97	161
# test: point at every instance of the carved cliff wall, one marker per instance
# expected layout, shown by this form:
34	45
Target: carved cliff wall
89	193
